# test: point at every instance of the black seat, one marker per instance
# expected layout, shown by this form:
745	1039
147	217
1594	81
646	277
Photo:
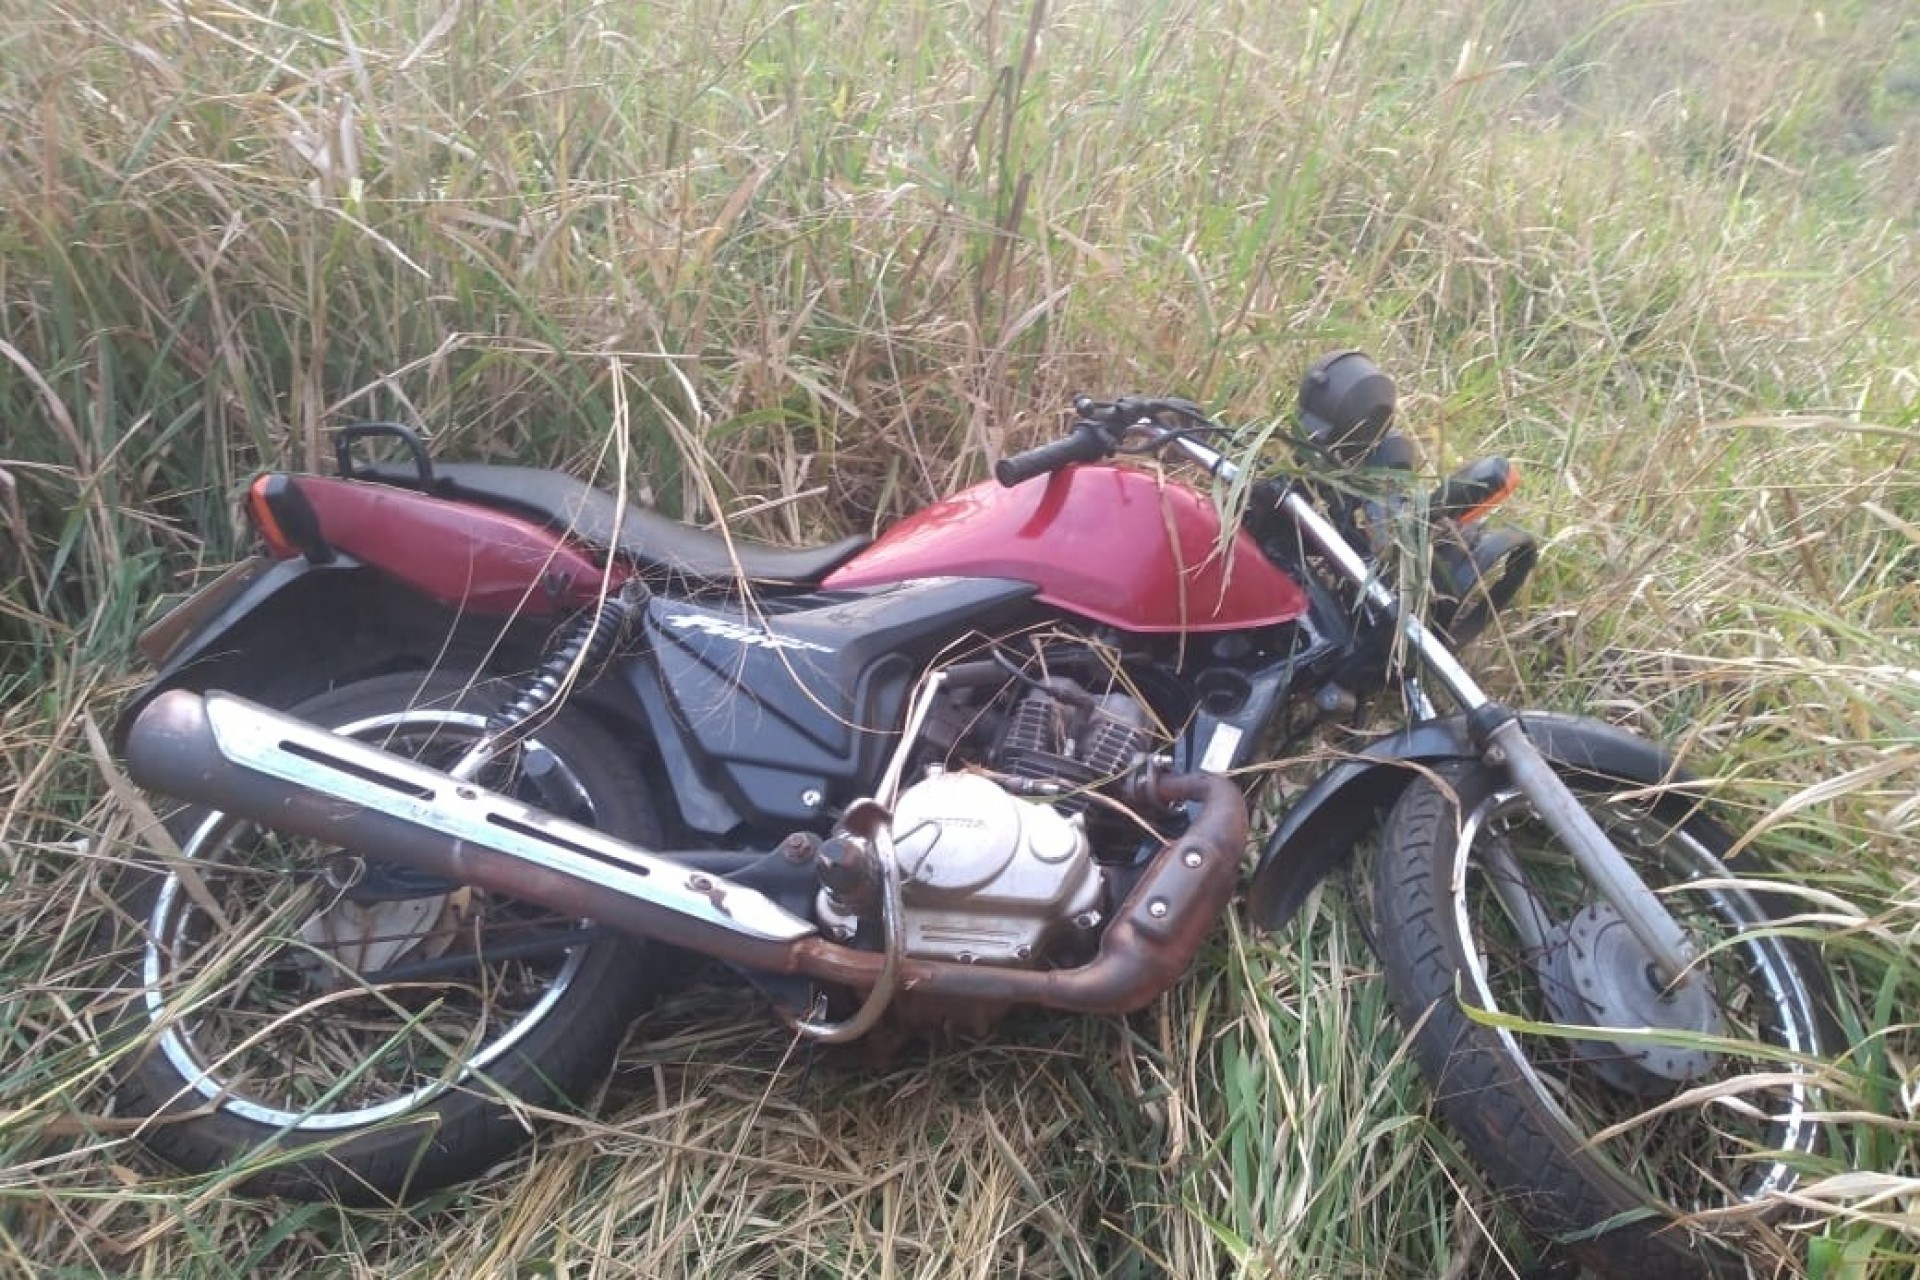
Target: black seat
644	537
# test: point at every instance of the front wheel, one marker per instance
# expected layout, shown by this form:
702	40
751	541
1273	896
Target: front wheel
1613	1140
327	1026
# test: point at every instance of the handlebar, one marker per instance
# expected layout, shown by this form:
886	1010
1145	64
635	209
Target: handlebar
1088	443
1101	428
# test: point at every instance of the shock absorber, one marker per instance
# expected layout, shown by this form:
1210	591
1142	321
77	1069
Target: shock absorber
585	647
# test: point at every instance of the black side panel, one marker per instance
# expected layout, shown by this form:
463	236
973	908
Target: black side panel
791	714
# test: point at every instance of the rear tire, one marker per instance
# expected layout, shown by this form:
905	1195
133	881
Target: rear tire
283	1035
1529	1103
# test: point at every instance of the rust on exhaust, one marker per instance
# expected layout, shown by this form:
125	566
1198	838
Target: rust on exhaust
1153	938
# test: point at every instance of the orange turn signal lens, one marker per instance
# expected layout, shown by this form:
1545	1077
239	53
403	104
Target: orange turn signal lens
1485	507
259	505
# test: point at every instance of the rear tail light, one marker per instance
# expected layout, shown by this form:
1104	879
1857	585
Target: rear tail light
285	520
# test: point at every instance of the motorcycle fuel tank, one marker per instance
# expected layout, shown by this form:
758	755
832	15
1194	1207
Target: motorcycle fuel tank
1114	544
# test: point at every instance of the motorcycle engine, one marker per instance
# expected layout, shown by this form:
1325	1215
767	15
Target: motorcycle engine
989	876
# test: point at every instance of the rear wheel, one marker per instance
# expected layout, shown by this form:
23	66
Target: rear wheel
332	1027
1605	1142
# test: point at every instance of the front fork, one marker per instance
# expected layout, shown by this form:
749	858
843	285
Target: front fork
1646	917
1504	744
1498	733
1500	736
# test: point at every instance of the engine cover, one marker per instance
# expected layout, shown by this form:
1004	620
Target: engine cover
986	877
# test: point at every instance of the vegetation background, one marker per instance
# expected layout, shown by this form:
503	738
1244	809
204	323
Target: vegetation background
820	262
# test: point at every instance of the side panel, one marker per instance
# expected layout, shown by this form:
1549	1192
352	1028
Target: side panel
468	557
1349	800
1114	544
786	716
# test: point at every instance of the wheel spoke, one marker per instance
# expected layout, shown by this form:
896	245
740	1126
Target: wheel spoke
1582	970
294	1005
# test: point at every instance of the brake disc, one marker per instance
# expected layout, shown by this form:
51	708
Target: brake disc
1598	974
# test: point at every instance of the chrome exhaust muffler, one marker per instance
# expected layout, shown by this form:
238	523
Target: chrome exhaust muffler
243	759
240	758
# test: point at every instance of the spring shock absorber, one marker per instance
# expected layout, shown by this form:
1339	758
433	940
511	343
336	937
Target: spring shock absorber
585	647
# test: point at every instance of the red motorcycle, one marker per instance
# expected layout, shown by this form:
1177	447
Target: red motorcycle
533	740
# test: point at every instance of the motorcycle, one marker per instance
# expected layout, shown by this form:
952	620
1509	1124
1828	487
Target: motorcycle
468	752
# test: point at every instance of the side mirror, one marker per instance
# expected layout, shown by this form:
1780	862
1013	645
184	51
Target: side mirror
1346	404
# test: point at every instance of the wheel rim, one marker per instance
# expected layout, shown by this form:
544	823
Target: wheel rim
1700	1154
269	1025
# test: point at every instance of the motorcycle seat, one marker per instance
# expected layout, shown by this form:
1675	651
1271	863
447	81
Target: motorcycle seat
634	533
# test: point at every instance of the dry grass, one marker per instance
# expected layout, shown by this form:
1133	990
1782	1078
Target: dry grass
1662	254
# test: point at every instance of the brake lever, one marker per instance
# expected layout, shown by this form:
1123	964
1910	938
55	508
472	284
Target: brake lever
1128	411
1134	416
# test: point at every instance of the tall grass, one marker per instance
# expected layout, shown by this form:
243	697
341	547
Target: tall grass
837	257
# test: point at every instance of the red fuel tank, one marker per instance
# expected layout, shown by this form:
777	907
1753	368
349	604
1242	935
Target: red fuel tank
1114	544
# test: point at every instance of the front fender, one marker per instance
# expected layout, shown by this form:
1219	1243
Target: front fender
1348	801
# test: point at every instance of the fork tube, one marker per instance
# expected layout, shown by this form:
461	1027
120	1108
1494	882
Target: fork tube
1434	654
1506	744
1666	943
1460	685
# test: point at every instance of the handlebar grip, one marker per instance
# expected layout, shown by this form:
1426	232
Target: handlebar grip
1088	443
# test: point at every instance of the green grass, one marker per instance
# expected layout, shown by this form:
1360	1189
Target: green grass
823	262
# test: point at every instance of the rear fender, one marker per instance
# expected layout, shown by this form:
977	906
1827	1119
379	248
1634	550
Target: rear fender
1350	799
391	579
279	631
275	630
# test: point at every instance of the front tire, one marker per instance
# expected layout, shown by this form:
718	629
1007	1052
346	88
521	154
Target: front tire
1603	1143
371	1039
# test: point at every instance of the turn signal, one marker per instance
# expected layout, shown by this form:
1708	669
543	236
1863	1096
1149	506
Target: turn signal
285	520
1472	492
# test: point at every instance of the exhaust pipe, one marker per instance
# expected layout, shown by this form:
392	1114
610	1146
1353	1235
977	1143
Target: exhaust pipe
1150	942
240	758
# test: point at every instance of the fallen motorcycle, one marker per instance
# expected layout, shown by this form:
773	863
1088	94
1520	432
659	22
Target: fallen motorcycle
528	736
